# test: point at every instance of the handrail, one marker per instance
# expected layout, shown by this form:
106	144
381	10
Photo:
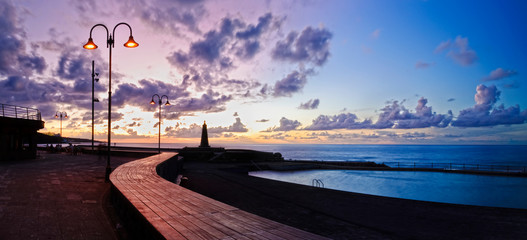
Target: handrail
12	111
459	166
317	183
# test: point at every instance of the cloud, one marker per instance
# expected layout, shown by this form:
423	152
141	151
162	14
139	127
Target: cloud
341	121
171	15
397	116
208	49
255	31
285	125
172	115
498	74
310	46
413	135
140	95
423	65
262	120
311	104
14	58
15	83
217	49
98	117
134	124
483	113
208	102
250	44
210	59
451	100
458	50
131	132
292	83
394	115
194	130
277	136
73	65
237	126
42	93
229	135
512	85
167	16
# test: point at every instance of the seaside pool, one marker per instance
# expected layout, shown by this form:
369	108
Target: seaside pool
469	189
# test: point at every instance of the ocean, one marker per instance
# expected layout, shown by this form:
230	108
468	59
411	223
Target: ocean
506	155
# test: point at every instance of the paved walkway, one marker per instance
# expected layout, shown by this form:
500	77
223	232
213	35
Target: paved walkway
55	196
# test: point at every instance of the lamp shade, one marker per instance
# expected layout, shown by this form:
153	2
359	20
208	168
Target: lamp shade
152	102
131	43
90	44
167	103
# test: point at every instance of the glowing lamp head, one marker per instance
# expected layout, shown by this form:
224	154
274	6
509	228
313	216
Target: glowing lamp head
167	103
56	116
152	102
66	116
90	44
131	43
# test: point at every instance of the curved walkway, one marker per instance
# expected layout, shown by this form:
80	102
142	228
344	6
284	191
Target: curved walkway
178	213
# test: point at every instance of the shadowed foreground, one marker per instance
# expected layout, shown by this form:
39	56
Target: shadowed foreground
343	215
56	196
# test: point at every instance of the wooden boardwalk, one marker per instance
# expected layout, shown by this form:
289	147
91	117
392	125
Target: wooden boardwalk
178	213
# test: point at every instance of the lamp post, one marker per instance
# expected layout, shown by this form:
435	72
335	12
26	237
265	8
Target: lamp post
110	44
166	104
57	114
93	99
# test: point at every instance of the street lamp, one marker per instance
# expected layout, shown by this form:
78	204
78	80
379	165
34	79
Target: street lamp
166	104
57	116
110	44
93	99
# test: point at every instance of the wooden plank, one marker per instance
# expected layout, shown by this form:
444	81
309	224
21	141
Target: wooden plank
178	213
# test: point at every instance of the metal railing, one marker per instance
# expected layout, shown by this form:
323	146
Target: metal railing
459	167
12	111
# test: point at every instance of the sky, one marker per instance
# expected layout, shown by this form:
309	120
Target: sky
274	71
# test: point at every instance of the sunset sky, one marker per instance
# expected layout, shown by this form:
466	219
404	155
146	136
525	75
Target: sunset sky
275	71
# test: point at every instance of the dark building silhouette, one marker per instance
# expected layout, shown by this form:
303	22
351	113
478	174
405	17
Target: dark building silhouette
18	130
204	137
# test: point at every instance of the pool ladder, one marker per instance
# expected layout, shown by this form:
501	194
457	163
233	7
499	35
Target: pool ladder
317	183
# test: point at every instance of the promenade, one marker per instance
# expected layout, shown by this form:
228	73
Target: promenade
56	196
59	196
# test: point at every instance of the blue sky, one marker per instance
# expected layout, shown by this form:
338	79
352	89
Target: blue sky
350	72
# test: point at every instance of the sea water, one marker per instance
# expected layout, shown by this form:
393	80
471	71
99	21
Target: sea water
506	155
511	155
